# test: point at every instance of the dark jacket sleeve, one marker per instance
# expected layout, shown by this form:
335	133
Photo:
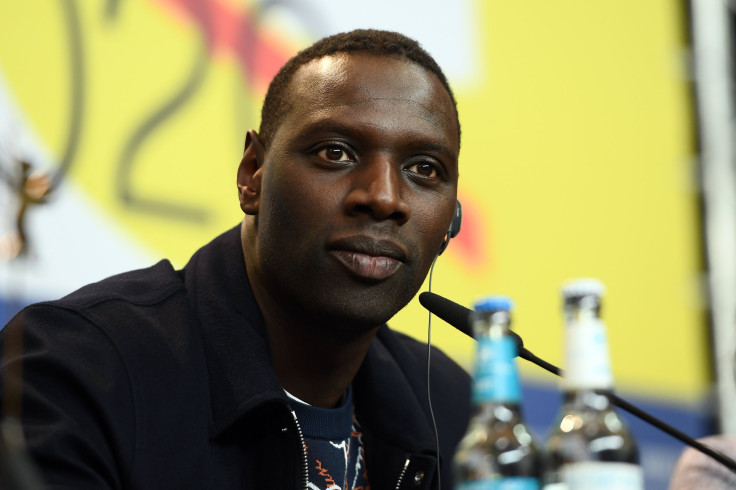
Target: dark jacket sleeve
75	397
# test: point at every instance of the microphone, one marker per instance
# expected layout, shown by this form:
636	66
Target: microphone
458	316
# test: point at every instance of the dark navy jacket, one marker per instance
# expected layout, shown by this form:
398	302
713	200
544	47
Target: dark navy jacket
161	379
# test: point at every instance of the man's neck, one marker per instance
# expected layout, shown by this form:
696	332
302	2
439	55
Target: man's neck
314	360
313	365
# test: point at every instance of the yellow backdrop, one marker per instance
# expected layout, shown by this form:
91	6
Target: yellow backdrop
577	157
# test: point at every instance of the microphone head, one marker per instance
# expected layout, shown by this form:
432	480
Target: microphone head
456	315
451	312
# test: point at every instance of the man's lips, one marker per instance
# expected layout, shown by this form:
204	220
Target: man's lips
368	258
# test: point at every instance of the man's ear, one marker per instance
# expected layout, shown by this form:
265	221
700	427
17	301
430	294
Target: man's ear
250	174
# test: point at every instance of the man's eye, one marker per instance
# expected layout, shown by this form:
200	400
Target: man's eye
334	153
424	169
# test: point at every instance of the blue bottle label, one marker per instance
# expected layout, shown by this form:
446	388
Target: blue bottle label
496	377
509	483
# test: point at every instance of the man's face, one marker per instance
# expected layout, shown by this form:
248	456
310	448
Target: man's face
357	190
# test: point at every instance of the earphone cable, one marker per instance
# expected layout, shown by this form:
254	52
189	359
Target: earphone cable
429	390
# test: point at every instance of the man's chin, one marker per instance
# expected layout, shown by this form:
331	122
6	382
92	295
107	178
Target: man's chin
361	313
352	303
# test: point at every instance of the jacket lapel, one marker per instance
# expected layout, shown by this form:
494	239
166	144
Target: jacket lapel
390	400
233	333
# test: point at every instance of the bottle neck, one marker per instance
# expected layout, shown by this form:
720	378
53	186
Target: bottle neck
587	399
504	412
587	362
496	379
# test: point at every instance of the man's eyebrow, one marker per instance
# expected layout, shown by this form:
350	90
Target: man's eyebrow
328	125
439	148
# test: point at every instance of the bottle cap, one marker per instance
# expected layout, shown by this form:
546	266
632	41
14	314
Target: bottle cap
494	303
583	287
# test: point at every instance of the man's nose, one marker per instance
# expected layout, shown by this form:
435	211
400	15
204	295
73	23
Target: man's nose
378	190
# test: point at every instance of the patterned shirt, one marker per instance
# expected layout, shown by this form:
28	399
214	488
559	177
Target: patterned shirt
334	445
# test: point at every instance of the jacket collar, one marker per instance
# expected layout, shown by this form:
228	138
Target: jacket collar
390	393
390	390
233	332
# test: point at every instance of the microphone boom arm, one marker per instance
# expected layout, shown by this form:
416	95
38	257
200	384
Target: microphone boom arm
457	316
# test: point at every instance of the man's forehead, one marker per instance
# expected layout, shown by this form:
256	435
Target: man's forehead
321	74
353	78
362	69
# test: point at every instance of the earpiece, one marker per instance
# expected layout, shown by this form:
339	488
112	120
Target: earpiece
455	224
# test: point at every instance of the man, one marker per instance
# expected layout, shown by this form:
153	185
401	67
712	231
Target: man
266	362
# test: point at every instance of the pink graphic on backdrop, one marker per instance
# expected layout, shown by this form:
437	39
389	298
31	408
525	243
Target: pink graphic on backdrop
229	30
468	246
